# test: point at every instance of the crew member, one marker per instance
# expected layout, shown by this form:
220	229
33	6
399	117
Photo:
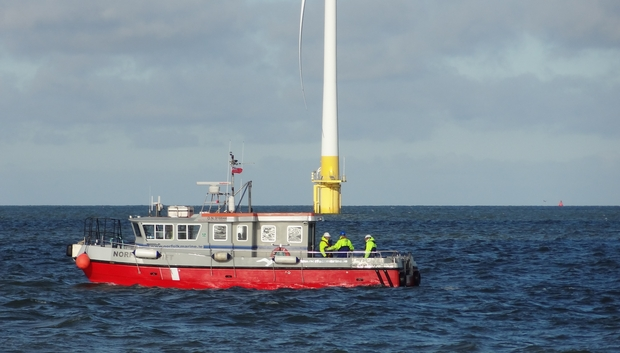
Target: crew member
342	246
371	246
326	242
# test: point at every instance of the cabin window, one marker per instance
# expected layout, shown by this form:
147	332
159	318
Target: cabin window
294	234
242	233
136	230
158	231
220	232
149	231
192	231
182	232
187	231
268	234
163	231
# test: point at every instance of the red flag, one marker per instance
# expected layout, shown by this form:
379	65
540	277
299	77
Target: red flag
237	170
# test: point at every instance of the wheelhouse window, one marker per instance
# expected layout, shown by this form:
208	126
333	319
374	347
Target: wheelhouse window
163	231
242	233
136	230
268	234
188	231
192	231
294	234
158	231
220	232
149	231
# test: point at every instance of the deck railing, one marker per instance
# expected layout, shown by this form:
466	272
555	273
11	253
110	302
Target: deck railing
103	231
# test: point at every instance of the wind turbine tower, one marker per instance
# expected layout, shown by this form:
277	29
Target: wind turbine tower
327	179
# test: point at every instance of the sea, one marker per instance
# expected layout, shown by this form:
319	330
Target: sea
494	279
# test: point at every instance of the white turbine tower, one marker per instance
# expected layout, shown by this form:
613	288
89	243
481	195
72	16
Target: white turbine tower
327	180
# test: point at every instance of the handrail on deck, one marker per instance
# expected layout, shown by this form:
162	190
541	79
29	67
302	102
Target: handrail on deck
98	231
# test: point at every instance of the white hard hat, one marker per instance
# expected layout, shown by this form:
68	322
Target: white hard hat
326	235
368	236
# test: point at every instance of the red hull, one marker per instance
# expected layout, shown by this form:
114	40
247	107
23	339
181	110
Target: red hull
254	278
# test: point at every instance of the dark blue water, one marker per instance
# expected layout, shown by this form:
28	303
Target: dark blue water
494	279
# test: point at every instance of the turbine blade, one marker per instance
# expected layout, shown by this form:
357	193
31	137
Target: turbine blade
301	26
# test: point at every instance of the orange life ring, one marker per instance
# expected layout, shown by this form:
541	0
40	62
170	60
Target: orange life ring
280	251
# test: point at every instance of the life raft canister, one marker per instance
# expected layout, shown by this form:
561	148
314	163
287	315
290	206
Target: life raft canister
280	251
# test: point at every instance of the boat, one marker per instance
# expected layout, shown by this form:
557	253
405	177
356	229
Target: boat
227	245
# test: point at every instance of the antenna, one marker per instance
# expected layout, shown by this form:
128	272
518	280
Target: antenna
228	164
157	206
228	205
242	152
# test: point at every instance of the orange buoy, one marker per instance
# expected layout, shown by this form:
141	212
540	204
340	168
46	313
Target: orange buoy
82	261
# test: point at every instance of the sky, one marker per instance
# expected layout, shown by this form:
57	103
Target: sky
452	102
